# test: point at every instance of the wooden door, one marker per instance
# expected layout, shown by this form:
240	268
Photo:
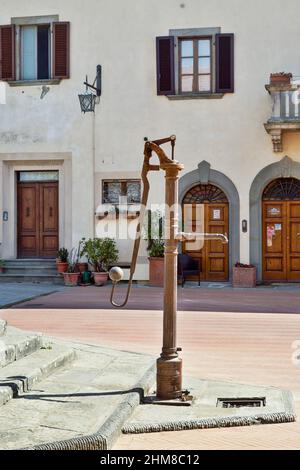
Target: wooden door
216	253
37	220
281	241
274	241
214	256
293	241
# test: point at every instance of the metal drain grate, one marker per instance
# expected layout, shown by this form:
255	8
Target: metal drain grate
241	402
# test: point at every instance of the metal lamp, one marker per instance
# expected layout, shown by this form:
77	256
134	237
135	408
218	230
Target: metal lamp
88	99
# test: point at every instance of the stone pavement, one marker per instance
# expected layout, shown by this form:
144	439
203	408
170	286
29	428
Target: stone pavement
12	293
242	347
91	396
209	298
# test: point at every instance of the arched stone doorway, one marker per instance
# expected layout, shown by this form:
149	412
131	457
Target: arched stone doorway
212	218
281	230
205	175
286	168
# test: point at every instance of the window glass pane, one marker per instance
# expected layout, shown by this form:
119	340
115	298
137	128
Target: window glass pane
187	83
187	66
204	65
26	176
187	49
204	82
29	52
111	192
134	192
204	47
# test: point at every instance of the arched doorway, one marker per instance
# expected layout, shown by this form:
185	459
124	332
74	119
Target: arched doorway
214	255
281	230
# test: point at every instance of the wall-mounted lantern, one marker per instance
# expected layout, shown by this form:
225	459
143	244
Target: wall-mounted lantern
88	99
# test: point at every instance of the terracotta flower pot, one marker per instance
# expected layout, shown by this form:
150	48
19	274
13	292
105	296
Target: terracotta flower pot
156	272
82	267
280	78
71	279
61	266
100	279
244	277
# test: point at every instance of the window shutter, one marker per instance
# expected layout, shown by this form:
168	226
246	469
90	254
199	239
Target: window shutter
7	52
61	50
225	63
165	65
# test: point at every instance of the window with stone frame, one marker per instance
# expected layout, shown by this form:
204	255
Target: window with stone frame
197	62
121	192
35	49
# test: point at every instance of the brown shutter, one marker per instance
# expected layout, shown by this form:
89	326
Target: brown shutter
165	65
7	52
61	50
225	63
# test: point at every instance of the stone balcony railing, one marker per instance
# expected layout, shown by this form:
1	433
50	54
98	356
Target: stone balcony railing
285	111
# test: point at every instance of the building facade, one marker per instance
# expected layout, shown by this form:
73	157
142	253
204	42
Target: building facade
188	67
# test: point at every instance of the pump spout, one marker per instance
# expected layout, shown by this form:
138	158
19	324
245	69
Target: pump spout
184	237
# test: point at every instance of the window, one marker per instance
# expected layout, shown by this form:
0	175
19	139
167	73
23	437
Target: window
35	52
195	63
35	48
121	191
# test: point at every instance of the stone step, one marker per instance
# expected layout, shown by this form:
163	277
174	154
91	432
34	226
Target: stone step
32	278
16	344
82	406
30	261
3	325
21	376
30	270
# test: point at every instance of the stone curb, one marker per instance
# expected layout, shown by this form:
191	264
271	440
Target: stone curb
106	436
3	325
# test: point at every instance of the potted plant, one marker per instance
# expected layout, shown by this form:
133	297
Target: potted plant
72	276
82	265
62	263
101	253
156	252
244	275
2	265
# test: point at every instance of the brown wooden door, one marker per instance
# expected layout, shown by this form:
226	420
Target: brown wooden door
281	241
37	220
214	255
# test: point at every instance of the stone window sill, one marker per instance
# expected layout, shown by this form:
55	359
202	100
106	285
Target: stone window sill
204	96
34	82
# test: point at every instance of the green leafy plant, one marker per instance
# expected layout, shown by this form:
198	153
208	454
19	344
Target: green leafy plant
241	265
157	249
2	263
101	253
73	261
63	255
156	245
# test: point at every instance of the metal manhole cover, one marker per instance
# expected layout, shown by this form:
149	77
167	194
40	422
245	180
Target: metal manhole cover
241	402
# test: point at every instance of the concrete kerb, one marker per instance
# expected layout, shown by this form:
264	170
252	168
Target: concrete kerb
108	433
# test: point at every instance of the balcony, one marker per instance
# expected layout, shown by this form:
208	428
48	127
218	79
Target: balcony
285	93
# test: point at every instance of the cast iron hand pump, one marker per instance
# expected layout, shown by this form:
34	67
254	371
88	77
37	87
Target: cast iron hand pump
169	365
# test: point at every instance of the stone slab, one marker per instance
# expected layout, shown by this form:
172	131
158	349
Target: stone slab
207	412
22	375
16	344
86	398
